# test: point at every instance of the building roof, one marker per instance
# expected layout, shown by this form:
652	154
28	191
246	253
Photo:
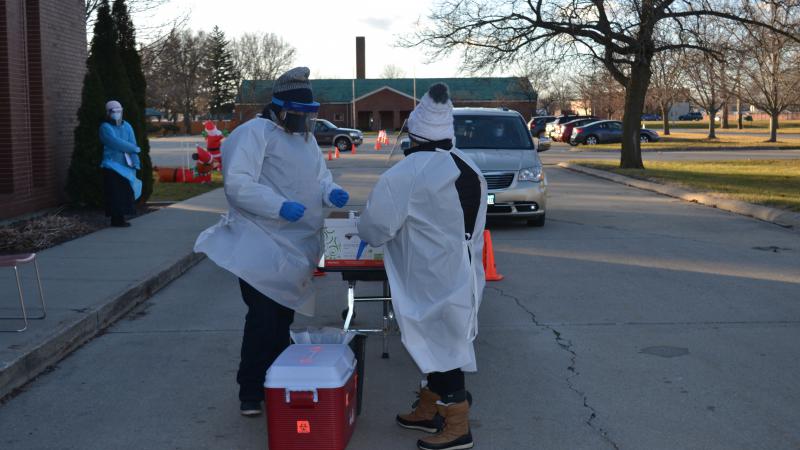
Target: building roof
341	90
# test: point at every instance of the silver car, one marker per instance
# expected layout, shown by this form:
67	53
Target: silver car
499	142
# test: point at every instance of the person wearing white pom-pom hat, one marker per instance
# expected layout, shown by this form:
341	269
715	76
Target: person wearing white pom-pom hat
429	210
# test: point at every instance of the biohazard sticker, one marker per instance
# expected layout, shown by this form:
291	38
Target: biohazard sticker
303	427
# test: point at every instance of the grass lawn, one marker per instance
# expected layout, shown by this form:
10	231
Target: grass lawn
689	141
181	191
786	126
773	183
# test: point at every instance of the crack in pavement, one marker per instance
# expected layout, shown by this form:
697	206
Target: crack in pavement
567	346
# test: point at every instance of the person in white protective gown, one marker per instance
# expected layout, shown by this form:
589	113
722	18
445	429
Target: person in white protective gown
276	184
430	210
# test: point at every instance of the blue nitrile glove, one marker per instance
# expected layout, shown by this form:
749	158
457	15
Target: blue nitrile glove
292	211
361	248
339	197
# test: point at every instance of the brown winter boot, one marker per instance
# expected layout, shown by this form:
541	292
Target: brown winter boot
423	417
456	434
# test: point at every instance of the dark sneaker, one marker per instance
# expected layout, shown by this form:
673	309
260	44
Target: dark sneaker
250	409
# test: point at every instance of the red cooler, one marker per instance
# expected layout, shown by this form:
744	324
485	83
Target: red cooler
310	397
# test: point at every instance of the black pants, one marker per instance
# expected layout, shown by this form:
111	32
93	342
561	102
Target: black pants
449	385
266	335
118	196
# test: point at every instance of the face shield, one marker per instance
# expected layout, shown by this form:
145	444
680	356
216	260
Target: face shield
296	117
115	114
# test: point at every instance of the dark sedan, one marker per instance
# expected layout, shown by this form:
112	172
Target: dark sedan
537	125
327	133
606	131
566	129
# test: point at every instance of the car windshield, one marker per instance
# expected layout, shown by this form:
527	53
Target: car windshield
326	123
501	132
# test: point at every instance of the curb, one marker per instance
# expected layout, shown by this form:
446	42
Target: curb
776	216
80	331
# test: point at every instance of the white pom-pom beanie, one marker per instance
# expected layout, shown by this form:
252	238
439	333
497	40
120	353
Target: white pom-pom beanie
432	119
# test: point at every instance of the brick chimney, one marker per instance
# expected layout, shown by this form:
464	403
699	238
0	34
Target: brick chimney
360	63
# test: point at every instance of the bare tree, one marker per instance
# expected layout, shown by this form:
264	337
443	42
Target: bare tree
177	75
392	71
770	62
665	84
702	72
262	56
150	34
623	35
599	94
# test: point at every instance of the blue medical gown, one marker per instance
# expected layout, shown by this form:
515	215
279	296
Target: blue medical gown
117	141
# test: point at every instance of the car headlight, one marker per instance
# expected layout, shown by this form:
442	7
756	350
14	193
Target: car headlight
531	174
354	134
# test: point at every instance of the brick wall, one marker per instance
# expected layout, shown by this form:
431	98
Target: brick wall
42	62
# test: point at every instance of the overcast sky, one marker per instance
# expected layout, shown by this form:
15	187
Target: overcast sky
323	32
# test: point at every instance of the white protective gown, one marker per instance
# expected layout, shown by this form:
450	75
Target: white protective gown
436	288
263	167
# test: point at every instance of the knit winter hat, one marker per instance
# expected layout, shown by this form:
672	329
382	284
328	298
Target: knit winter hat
113	105
294	86
432	119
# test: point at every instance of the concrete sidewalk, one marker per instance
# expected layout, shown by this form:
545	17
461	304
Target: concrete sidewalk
92	281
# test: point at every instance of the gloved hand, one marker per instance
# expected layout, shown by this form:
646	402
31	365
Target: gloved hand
292	211
339	197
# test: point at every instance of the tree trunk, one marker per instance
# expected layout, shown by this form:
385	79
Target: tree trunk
773	126
187	122
739	123
665	117
725	116
712	124
631	154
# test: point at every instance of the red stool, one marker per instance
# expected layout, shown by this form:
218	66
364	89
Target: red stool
15	261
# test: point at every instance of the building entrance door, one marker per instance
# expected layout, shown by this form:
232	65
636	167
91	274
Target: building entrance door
387	120
365	120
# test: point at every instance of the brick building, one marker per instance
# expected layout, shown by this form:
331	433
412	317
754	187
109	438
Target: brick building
383	104
42	62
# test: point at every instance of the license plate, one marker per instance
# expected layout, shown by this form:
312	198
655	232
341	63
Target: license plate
490	201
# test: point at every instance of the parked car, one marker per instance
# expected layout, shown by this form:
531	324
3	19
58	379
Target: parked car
537	125
651	116
553	129
327	133
566	129
694	115
501	145
606	131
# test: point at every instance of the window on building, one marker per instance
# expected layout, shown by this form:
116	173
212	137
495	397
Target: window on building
339	117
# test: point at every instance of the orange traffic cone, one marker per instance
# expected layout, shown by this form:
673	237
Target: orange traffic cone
488	258
330	155
353	149
378	144
336	153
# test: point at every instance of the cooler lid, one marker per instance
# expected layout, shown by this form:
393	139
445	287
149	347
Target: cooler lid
310	366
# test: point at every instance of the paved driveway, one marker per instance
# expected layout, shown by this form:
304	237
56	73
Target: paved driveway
629	321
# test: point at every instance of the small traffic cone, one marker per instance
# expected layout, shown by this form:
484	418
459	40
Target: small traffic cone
353	149
336	152
330	155
378	144
488	258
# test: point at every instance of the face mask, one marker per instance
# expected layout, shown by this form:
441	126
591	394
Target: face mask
116	116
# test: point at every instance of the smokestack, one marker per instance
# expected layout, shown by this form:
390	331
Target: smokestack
360	63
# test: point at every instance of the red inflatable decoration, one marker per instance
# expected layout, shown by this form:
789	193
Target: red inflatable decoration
210	158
